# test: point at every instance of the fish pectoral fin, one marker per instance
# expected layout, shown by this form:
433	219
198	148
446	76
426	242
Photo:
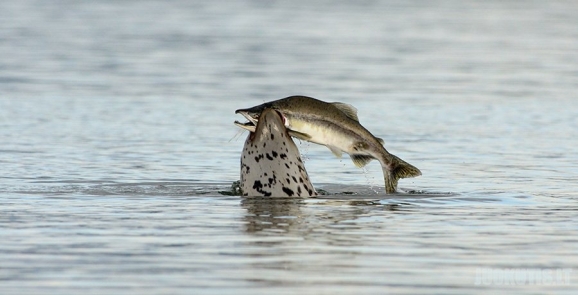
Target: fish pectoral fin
335	150
349	110
361	160
299	135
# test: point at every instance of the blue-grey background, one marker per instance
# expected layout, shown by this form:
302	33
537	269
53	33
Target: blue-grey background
116	139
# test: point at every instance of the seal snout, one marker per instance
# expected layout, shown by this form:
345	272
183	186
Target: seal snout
271	164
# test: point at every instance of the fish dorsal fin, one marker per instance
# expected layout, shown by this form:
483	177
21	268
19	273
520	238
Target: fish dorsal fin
335	150
361	160
380	140
299	135
349	110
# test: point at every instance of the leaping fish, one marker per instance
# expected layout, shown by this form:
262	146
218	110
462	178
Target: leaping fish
271	164
336	126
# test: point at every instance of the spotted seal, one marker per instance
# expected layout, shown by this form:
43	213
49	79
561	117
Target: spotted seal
271	164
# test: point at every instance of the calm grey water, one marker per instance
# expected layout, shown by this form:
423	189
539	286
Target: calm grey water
117	147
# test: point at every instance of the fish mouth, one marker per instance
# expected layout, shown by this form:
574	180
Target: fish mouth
252	120
253	114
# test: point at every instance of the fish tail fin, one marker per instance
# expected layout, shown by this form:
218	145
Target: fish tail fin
396	170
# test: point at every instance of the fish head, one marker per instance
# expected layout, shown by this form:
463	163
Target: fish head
253	115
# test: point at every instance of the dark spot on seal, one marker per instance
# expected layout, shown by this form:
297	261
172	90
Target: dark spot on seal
283	156
309	190
288	191
274	154
269	157
294	179
288	180
300	180
259	157
271	180
264	144
299	190
258	186
287	165
272	136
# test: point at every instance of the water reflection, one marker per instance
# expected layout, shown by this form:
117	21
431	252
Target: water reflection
308	215
272	214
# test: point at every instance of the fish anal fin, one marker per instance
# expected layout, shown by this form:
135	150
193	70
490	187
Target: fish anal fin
299	135
349	110
361	160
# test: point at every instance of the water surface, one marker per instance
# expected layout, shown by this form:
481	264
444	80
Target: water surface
117	147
